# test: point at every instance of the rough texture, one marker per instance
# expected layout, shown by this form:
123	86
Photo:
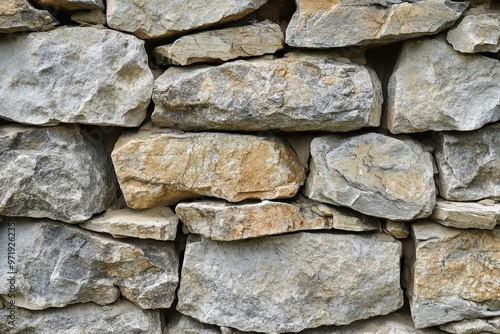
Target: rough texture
73	4
338	23
476	33
466	215
473	326
93	17
74	75
20	15
374	174
229	283
54	172
469	164
452	274
63	264
398	230
297	93
427	92
221	45
117	318
159	167
182	324
157	18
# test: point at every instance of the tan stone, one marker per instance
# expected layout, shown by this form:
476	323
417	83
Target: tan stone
20	15
93	17
476	33
466	214
73	4
473	326
398	230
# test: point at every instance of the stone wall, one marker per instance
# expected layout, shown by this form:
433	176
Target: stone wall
242	166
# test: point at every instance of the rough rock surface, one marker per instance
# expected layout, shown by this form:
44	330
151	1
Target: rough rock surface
20	15
469	164
466	214
72	4
338	23
158	223
93	17
452	274
74	75
182	324
229	283
159	167
157	18
427	92
476	33
255	39
297	93
117	318
54	172
63	264
374	174
398	230
473	326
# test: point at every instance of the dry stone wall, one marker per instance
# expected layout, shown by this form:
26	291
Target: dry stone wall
256	166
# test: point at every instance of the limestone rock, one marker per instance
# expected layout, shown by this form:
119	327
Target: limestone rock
63	264
182	324
435	88
20	15
300	92
73	4
54	172
74	75
158	223
338	23
301	144
117	318
398	230
160	167
221	45
229	283
476	33
466	214
452	274
374	174
468	164
473	326
157	18
93	17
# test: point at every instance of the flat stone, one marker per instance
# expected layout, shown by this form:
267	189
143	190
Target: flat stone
452	274
476	33
158	223
157	18
288	283
221	45
74	75
53	172
398	230
435	88
182	324
473	326
466	214
59	264
72	5
300	92
20	15
160	167
338	23
374	174
468	164
117	318
93	17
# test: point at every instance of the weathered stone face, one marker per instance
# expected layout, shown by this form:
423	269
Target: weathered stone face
288	283
20	15
476	33
72	4
74	75
374	174
473	326
182	324
466	214
452	274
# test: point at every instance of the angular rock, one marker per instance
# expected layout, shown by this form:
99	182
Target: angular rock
473	326
229	283
158	223
338	23
468	164
60	264
374	174
398	230
74	75
435	88
72	4
117	318
157	18
20	15
466	214
452	274
476	33
301	144
93	17
53	172
221	45
160	167
182	324
300	92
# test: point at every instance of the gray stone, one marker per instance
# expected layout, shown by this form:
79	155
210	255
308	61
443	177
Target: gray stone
72	4
338	23
20	15
300	92
74	75
93	17
288	283
53	172
374	174
469	164
466	214
59	264
435	88
182	324
476	33
473	326
157	18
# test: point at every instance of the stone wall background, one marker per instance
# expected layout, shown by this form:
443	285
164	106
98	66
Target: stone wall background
249	166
